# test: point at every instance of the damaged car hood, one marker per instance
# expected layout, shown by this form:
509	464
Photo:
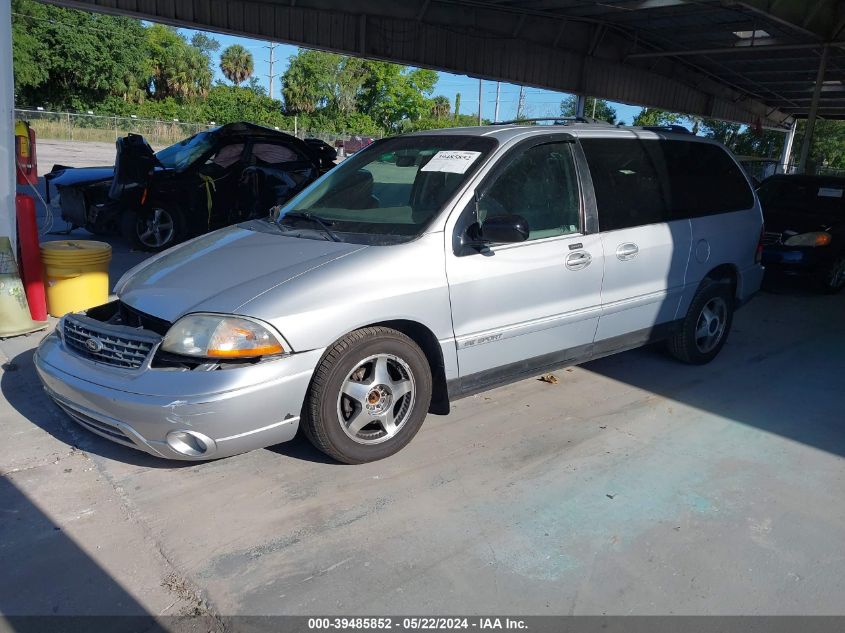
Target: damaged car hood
221	271
70	176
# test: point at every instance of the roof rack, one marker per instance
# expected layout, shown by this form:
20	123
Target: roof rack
678	129
558	120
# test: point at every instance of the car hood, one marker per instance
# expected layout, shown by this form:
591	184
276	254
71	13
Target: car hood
221	271
80	175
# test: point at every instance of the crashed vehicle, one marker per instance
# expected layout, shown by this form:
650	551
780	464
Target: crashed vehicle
215	178
805	228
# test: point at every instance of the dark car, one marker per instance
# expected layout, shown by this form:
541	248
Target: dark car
217	177
805	227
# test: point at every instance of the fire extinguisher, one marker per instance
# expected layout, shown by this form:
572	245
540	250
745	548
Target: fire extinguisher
25	159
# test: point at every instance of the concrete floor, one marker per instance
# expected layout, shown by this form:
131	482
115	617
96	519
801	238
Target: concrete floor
634	486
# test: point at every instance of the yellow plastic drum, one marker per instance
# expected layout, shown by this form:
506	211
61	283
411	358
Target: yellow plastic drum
76	273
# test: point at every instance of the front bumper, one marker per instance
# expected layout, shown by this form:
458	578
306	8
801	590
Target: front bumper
232	411
794	259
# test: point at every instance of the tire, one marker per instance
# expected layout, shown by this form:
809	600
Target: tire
352	411
833	279
704	330
154	228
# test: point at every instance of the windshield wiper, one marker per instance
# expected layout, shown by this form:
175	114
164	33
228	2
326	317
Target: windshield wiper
316	219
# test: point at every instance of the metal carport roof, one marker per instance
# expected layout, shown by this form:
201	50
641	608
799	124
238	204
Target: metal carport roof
761	62
752	62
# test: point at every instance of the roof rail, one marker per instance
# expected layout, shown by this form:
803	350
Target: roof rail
678	129
558	120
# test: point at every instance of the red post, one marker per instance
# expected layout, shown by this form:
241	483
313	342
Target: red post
30	257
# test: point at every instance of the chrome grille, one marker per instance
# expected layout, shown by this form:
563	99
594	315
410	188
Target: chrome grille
115	345
770	237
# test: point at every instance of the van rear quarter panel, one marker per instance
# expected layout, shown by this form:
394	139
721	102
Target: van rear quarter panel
724	238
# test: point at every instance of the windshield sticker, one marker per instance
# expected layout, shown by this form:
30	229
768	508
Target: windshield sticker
453	162
830	192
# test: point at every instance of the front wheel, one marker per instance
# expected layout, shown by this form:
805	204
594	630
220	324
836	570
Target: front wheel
833	279
368	397
704	330
155	228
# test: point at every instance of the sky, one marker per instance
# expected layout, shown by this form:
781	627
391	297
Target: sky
538	103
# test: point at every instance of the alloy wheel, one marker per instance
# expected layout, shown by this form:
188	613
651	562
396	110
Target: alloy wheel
711	324
376	399
156	229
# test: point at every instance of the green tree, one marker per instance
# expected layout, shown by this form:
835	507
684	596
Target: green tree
597	108
176	68
255	85
205	43
69	59
457	105
828	145
236	63
440	107
304	83
657	117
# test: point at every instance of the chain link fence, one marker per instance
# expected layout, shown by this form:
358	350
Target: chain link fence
74	126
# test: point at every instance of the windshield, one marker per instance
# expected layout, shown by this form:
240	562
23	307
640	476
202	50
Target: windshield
184	153
392	190
808	195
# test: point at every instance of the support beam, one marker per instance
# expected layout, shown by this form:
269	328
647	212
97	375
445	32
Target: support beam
7	138
788	140
580	104
760	48
814	109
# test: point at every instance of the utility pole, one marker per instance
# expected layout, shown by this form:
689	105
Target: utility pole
480	83
272	46
496	113
520	106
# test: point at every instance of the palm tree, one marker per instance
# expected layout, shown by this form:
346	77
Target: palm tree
236	64
440	107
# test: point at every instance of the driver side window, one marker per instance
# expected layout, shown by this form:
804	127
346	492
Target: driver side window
540	185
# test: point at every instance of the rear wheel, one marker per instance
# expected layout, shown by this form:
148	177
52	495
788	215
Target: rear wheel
368	397
833	279
704	330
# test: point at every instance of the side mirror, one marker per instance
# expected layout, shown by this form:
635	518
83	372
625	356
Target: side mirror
499	229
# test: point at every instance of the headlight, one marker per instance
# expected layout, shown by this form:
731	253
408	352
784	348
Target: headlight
817	238
216	336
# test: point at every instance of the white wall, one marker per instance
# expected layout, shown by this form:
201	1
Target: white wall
7	140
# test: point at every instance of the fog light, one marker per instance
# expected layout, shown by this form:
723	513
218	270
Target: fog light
190	443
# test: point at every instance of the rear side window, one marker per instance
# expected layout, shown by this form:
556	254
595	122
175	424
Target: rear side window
703	180
628	177
640	182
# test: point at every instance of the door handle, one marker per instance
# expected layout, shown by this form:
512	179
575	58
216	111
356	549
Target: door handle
578	260
627	251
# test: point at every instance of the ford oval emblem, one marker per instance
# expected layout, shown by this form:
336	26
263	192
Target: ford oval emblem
94	344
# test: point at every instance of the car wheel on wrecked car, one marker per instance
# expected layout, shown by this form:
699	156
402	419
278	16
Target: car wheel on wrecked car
154	228
368	397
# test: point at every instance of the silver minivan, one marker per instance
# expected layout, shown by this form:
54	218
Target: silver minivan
424	268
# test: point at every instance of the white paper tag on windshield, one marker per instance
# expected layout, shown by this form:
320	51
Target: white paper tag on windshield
830	192
454	162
